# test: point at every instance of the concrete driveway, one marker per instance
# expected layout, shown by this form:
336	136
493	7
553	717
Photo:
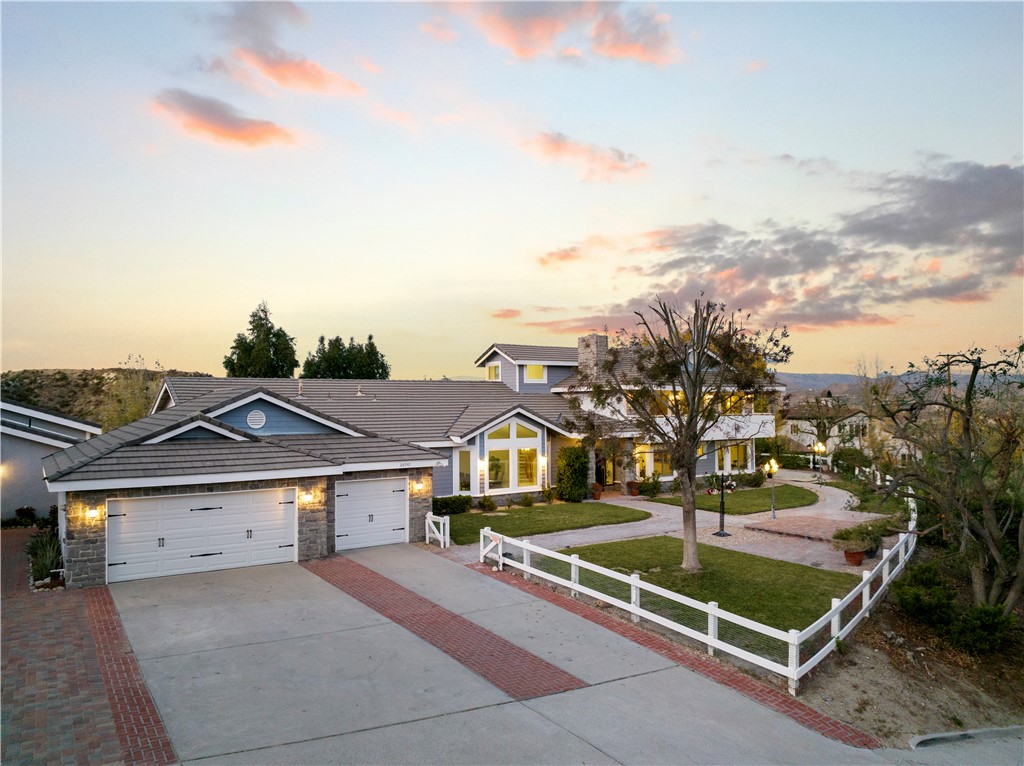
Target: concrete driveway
274	664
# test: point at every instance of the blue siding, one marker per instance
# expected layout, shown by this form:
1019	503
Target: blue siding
555	376
279	420
443	476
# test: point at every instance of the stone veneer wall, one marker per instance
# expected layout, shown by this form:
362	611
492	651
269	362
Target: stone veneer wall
420	501
85	540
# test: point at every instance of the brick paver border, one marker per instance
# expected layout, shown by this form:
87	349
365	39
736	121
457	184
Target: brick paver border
772	698
517	672
139	727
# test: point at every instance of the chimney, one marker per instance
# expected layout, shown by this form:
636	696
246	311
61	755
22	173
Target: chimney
593	349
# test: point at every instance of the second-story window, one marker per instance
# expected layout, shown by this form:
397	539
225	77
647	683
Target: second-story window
535	373
494	371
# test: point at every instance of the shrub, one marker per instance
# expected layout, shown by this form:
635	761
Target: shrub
845	459
526	501
447	506
44	551
981	629
548	493
15	523
487	504
675	487
49	521
573	463
793	461
650	486
923	594
755	479
26	513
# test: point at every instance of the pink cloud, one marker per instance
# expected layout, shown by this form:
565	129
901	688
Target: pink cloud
394	116
529	29
755	66
600	163
289	71
438	29
217	120
644	37
562	255
369	66
506	314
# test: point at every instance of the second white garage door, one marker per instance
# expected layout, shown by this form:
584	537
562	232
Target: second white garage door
154	537
370	513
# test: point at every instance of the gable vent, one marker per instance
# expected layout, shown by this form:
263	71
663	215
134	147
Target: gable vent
256	419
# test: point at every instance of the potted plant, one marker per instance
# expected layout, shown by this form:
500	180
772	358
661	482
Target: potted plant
633	487
596	489
853	549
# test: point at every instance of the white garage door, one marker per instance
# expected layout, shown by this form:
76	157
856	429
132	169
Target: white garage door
155	537
370	513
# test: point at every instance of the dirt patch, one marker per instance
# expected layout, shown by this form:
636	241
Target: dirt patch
897	680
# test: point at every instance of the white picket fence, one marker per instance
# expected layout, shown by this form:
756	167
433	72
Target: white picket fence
439	528
791	654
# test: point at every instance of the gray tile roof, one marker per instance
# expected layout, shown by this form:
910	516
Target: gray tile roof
407	410
122	454
561	355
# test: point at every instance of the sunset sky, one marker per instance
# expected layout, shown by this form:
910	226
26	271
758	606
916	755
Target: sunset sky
446	176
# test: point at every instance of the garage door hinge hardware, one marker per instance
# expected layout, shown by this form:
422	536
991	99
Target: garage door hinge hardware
248	534
286	502
112	515
398	490
344	535
398	529
118	564
345	495
290	545
159	542
200	555
210	508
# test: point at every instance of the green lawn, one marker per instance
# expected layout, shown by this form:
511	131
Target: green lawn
868	497
777	593
540	519
744	501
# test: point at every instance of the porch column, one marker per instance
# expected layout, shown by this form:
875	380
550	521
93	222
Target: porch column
591	471
628	465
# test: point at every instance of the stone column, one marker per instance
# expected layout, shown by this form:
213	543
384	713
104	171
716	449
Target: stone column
628	465
591	471
312	518
420	503
85	540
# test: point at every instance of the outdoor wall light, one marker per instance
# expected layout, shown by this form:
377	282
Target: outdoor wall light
92	513
307	497
418	486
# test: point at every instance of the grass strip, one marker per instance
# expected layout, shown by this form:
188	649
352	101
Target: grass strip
541	519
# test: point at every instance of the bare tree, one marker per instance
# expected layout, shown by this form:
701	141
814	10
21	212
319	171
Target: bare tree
961	419
673	379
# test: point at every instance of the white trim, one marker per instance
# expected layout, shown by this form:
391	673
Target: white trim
34	437
259	395
57	419
530	381
222	478
191	427
156	403
453	442
547	363
517	412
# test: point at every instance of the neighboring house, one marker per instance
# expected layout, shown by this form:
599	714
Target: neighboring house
231	472
27	434
828	419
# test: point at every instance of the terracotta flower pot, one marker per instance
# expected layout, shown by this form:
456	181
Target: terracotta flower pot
854	558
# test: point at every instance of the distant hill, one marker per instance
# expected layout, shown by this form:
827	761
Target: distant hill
79	393
798	383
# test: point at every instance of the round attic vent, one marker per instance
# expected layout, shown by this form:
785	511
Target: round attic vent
256	419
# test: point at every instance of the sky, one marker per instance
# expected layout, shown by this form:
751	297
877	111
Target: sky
447	176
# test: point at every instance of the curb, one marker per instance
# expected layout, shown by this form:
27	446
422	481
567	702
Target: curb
927	740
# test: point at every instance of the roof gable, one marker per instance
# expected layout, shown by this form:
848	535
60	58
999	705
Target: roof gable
555	356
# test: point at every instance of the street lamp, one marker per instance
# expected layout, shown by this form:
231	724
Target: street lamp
771	468
819	452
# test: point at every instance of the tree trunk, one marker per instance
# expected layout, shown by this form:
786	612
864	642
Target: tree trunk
691	562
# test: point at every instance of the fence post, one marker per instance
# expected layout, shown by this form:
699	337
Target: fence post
837	618
903	547
501	553
446	530
885	566
712	625
634	594
794	660
526	559
574	575
485	534
865	595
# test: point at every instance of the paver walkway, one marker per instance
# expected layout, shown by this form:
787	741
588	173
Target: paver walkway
72	691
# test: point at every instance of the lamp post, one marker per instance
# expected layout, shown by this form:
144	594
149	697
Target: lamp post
819	452
771	468
721	508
